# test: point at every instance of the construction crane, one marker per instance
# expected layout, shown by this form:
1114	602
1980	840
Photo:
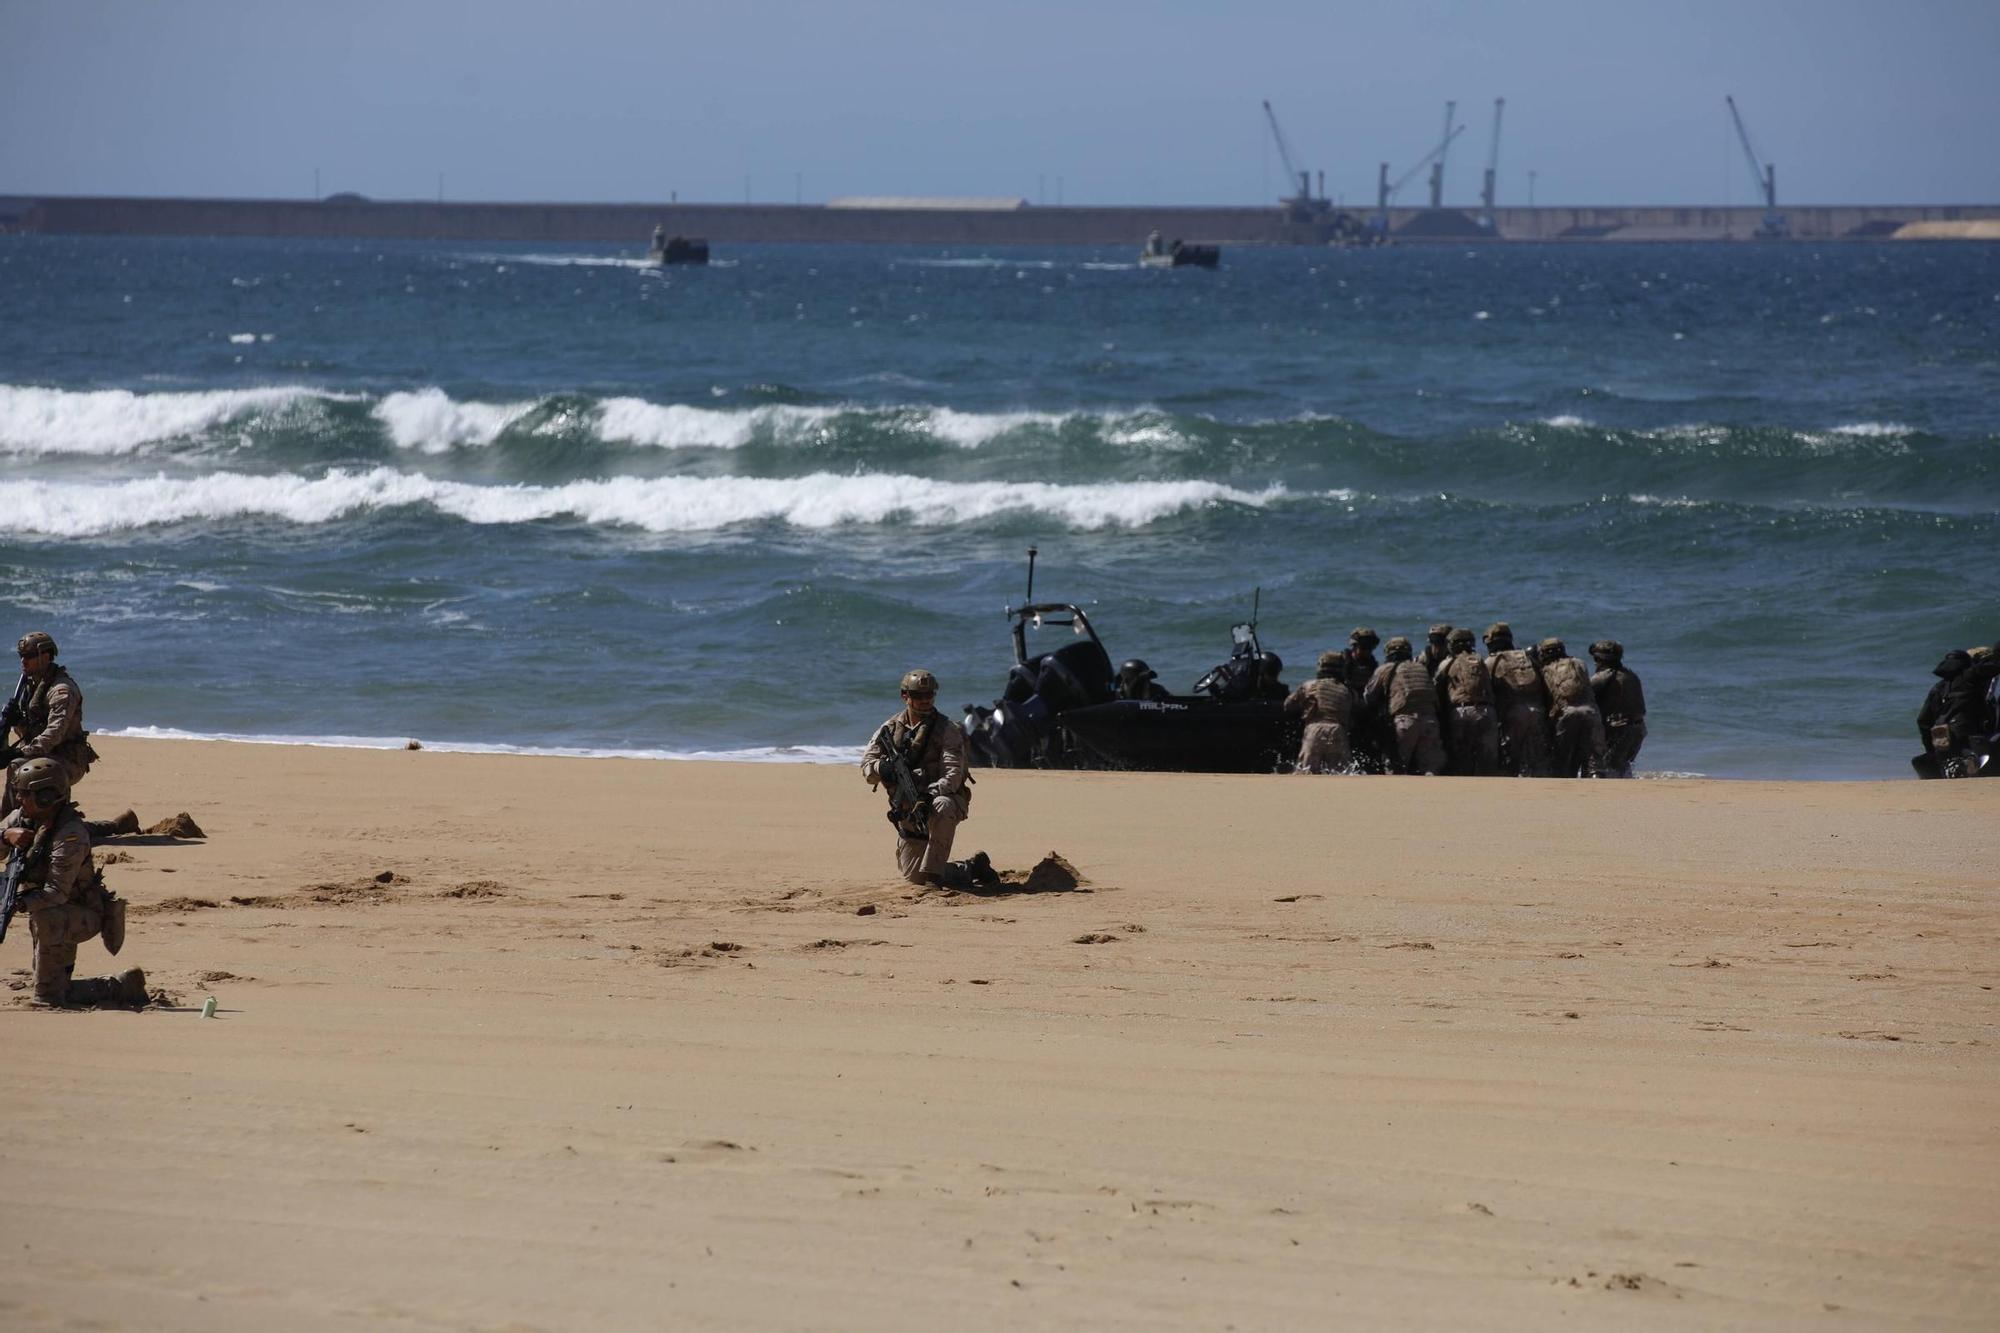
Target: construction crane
1765	177
1492	169
1292	171
1437	171
1384	191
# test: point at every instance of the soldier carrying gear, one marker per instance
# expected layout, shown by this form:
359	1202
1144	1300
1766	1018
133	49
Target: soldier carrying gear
61	891
1573	715
1136	681
1401	691
1327	706
930	749
1951	715
1465	708
1621	702
48	717
1437	650
1369	742
1520	701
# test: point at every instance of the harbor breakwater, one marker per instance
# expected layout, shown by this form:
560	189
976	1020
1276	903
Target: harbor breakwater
359	218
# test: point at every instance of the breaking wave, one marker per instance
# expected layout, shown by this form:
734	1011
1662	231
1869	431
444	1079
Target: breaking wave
656	505
118	421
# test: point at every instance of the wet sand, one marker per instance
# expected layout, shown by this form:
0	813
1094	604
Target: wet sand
635	1045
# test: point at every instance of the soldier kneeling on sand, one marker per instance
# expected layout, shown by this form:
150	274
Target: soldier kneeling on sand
62	892
919	755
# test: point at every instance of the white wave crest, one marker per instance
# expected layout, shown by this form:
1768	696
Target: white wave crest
432	422
679	426
969	430
658	505
755	754
118	421
1874	430
1566	421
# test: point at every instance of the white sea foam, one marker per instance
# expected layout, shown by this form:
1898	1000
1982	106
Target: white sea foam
659	505
1873	430
118	421
756	754
432	422
679	426
969	430
1566	421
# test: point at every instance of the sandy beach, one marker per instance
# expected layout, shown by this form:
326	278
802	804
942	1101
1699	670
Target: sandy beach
629	1044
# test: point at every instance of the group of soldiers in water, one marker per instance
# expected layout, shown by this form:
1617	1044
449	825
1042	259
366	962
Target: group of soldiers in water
1530	712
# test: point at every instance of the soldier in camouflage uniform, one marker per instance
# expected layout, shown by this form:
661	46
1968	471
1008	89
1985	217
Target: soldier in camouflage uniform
1371	745
934	748
1579	728
1521	703
1622	704
1437	650
50	725
62	892
1402	694
1327	706
1465	706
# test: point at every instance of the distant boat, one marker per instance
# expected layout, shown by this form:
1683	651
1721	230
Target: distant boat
675	250
1158	253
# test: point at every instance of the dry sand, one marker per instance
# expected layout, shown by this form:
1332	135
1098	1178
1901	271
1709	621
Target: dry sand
622	1046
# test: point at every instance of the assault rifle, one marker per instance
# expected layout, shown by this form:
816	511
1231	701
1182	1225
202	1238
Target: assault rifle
12	711
909	808
10	886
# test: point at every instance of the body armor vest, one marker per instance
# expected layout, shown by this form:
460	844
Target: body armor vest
1410	690
1569	684
1467	683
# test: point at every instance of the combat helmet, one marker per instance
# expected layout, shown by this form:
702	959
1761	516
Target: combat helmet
1364	638
1552	649
1270	664
919	681
34	644
1461	639
1608	651
1440	631
1134	670
1332	665
44	779
1500	636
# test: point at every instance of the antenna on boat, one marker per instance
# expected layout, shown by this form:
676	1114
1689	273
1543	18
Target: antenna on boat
1031	574
1256	598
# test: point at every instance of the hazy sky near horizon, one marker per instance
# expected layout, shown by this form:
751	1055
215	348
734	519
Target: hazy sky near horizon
1615	102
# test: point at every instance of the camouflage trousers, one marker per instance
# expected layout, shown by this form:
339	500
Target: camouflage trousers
1524	741
1419	748
1324	749
56	932
1621	747
1579	742
917	858
1475	741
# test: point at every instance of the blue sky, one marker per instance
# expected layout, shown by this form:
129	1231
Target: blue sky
1858	101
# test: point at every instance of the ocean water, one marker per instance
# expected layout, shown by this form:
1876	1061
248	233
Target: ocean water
527	496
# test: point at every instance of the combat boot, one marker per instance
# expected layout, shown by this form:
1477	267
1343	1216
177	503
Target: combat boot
123	826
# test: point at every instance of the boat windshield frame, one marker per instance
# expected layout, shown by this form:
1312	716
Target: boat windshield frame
1044	615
